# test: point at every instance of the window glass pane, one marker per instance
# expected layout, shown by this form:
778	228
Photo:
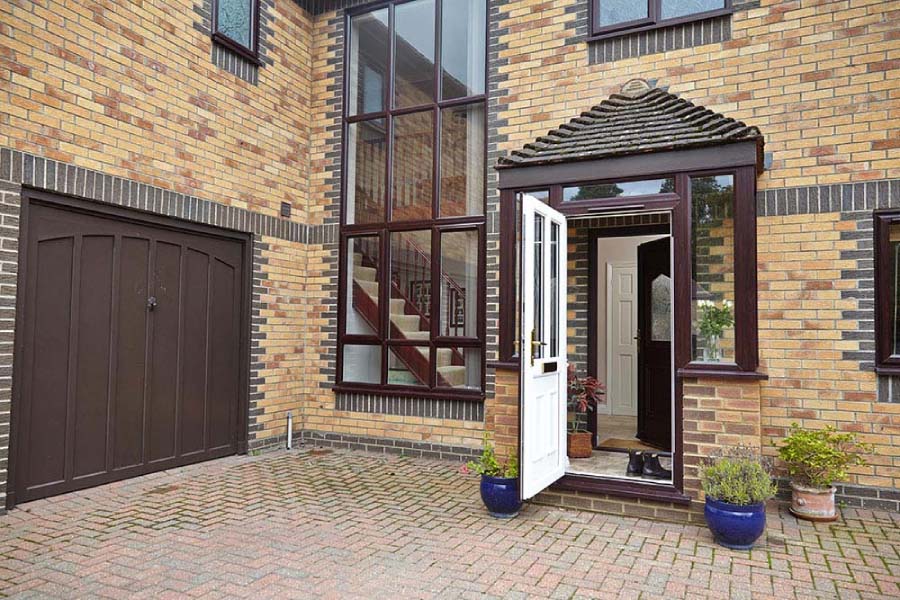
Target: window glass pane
361	364
621	189
363	282
462	48
234	18
537	350
554	290
712	267
462	161
369	51
661	309
459	368
459	283
410	308
366	163
680	8
413	170
543	196
613	12
894	280
414	53
409	365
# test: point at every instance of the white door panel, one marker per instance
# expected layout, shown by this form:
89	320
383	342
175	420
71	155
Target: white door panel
543	346
621	328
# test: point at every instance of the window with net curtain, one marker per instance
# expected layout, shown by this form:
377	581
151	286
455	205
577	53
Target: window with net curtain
413	199
613	15
235	22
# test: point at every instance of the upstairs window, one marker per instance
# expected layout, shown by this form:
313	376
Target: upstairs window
236	26
411	303
613	16
887	292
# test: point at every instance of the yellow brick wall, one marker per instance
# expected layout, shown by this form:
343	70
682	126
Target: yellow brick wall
128	88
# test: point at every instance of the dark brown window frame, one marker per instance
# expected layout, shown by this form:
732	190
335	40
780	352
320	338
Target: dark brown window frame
653	21
249	53
437	225
886	363
745	267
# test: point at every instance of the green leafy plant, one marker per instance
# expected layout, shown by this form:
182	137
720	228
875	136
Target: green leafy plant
488	463
583	394
820	457
737	476
714	320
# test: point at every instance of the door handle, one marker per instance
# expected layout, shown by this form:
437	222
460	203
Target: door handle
151	303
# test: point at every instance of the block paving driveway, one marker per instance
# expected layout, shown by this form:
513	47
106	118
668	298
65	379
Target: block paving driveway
337	524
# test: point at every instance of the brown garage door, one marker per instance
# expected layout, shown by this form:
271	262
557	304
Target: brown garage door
131	349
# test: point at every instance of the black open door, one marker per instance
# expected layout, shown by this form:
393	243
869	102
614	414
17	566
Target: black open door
655	344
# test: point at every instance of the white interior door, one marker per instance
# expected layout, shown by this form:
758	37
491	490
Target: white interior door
543	346
621	329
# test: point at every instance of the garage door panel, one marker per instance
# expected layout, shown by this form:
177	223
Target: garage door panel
163	390
48	383
92	356
131	352
194	353
115	385
222	382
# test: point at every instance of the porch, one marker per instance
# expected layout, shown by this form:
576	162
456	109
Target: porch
331	524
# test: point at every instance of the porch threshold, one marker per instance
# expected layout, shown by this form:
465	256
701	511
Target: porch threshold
623	489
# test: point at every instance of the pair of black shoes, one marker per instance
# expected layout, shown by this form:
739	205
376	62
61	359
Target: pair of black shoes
646	464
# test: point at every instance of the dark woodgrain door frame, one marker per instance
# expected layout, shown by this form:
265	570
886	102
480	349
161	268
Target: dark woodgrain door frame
125	270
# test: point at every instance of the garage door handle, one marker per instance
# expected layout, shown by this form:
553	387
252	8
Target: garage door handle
151	302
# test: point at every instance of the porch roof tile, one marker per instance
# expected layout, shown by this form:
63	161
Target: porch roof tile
651	120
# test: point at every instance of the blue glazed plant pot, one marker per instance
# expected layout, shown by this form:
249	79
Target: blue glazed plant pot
734	526
501	496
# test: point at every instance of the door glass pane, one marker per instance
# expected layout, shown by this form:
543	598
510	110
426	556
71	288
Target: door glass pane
537	349
681	8
894	280
366	164
712	268
554	289
459	368
414	53
234	19
622	189
462	161
410	283
661	309
413	170
613	12
462	48
369	51
363	283
361	364
409	365
459	283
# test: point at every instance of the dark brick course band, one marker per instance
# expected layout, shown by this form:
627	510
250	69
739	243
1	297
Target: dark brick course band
387	446
845	197
676	37
430	408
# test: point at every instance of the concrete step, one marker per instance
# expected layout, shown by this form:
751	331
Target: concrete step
361	273
369	287
444	357
417	335
398	306
406	323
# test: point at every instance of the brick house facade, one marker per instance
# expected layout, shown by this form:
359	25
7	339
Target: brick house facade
133	105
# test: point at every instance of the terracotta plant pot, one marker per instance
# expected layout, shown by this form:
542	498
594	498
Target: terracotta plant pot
578	445
813	504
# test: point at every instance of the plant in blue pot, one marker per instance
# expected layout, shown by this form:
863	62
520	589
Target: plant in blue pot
737	484
499	482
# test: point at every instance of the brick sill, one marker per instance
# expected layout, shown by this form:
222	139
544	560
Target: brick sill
726	374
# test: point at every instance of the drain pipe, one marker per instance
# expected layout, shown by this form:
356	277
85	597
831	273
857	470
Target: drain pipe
290	429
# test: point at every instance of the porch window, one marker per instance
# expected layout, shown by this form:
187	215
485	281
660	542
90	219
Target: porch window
887	292
616	16
411	305
236	26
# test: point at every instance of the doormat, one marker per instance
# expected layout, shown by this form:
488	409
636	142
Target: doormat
620	445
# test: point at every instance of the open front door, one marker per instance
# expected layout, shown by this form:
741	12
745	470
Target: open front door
543	347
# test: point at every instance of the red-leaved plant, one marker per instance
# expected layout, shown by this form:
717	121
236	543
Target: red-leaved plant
584	394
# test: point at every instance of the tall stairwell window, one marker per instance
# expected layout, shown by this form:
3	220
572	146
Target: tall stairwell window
411	301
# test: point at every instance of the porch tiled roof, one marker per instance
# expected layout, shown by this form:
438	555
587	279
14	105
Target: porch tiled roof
650	121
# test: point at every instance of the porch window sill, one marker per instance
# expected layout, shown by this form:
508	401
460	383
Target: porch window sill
406	392
505	365
657	492
888	370
703	373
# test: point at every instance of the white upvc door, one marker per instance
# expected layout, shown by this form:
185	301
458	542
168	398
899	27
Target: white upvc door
543	346
621	337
